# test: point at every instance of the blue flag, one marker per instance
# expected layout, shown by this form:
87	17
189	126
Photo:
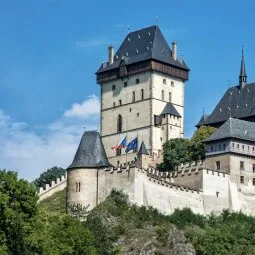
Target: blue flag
132	145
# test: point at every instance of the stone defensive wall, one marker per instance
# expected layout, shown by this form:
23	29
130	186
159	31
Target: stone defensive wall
50	189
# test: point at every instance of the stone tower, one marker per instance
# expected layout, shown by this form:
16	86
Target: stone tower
142	94
83	175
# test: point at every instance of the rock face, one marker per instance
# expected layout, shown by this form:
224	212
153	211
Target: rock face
153	241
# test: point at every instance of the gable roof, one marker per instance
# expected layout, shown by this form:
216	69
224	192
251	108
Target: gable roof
142	149
234	128
90	153
144	44
170	109
236	103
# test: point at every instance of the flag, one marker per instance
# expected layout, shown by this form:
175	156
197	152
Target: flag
132	145
121	144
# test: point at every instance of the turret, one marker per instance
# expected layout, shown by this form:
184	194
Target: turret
143	157
83	182
242	76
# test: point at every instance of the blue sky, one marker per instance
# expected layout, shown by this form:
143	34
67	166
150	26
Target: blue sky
50	50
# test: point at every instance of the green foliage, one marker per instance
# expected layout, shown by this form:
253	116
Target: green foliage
48	176
180	150
175	152
196	147
18	209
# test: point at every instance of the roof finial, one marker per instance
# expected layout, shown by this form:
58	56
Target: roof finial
242	76
203	111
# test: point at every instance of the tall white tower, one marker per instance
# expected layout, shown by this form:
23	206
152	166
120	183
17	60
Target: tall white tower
142	94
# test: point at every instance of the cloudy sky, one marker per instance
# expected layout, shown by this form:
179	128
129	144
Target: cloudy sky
50	50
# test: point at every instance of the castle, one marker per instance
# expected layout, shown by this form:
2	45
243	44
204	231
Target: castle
142	101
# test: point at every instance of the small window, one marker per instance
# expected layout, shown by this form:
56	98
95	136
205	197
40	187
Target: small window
114	104
248	147
130	109
113	87
161	139
253	148
162	95
137	81
137	114
218	165
241	165
172	84
170	97
253	168
118	153
77	187
133	96
118	162
253	181
142	95
125	84
164	81
119	124
241	179
119	102
238	146
243	147
233	145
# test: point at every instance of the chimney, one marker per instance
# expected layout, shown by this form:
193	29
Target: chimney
174	51
111	54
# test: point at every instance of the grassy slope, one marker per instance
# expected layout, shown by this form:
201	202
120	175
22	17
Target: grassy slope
56	203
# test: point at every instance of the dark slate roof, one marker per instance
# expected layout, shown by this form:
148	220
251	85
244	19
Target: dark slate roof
90	153
236	103
234	128
142	149
203	119
170	109
141	45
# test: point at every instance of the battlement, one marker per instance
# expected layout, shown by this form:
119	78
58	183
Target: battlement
50	189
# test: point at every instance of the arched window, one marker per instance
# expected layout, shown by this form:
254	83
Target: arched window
162	95
119	123
142	95
78	187
133	96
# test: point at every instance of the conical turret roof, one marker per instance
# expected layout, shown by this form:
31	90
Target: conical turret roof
142	149
90	153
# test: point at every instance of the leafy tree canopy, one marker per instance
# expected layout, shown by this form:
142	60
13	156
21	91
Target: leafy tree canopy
48	176
180	150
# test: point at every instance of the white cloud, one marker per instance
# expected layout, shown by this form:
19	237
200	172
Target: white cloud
86	109
29	152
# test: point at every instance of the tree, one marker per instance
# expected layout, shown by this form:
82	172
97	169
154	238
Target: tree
197	149
48	176
175	152
18	208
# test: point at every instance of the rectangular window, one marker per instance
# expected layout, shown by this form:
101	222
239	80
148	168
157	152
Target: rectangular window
157	120
241	179
118	152
164	81
170	97
133	96
243	147
142	95
125	84
114	104
241	165
137	81
253	181
253	168
113	87
163	95
218	165
172	83
233	145
119	102
238	146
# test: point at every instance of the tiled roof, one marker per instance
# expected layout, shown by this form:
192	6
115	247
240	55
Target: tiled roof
234	128
170	109
141	45
236	103
90	153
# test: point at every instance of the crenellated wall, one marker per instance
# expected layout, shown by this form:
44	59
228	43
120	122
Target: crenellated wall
52	188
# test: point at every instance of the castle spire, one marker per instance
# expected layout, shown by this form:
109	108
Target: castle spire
242	76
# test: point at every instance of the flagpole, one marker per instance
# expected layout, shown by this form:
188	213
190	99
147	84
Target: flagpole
126	137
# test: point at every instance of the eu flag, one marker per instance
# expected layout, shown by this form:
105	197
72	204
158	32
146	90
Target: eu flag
132	145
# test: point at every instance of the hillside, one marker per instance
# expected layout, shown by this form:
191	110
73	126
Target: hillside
122	228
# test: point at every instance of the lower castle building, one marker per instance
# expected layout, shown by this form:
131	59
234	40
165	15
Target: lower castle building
224	180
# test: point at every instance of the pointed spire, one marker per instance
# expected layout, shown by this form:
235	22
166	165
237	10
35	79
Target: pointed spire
142	149
243	76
